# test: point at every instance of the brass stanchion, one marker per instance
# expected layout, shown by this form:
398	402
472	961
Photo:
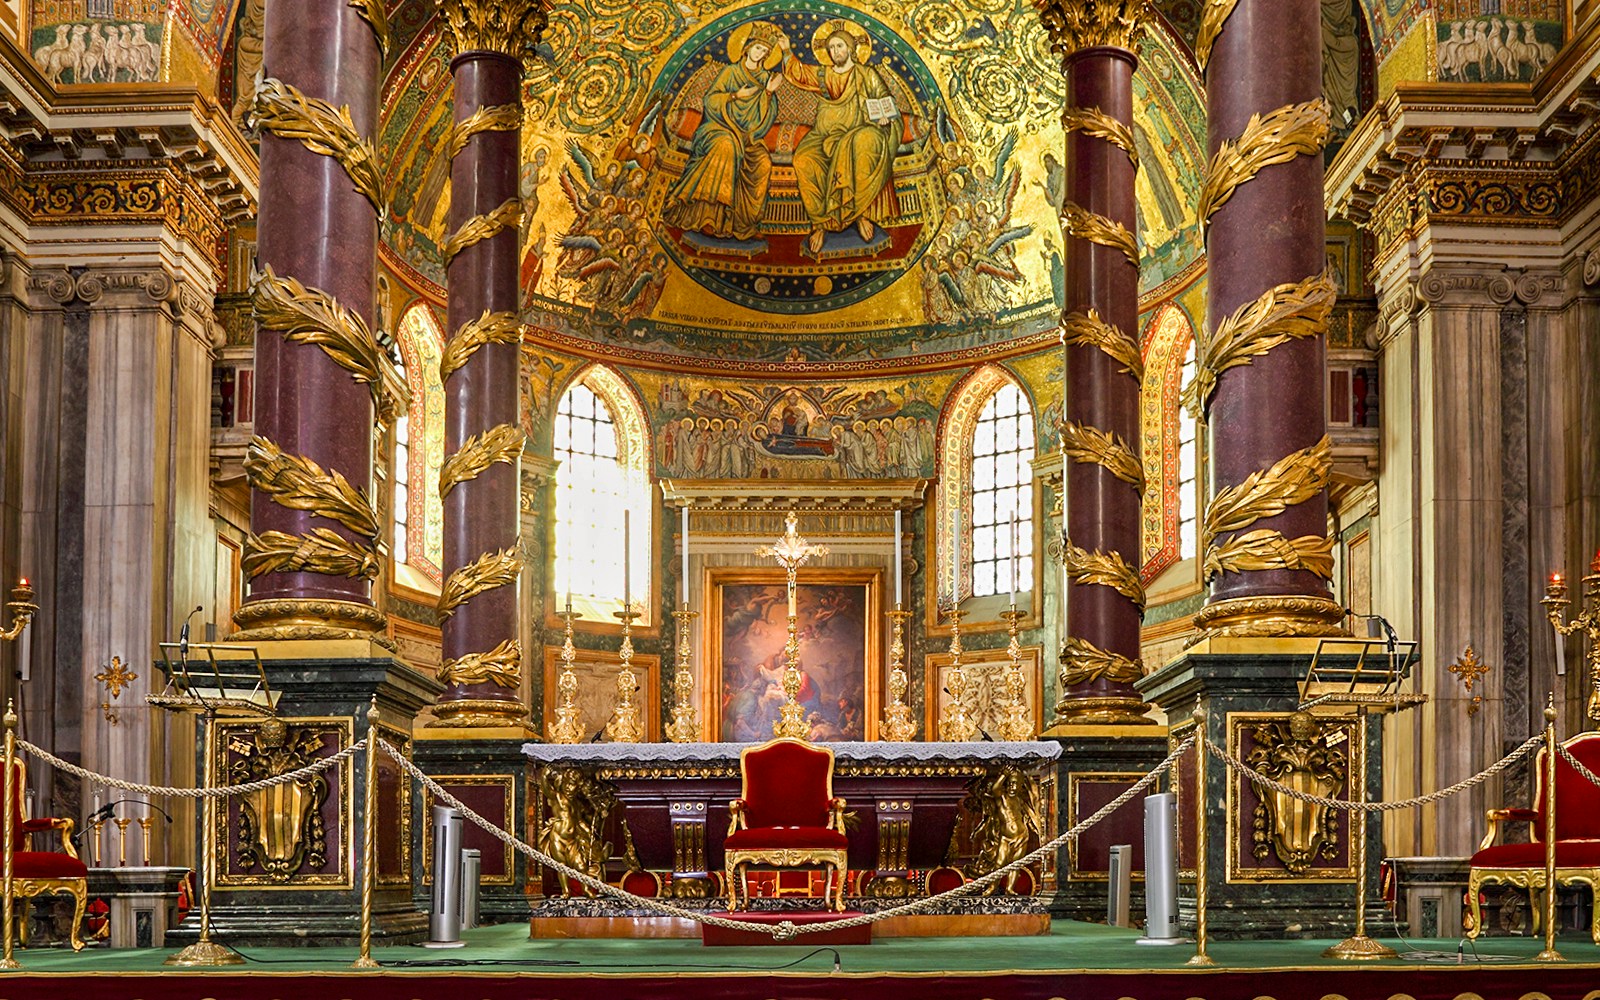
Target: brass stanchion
1200	842
206	952
11	792
369	844
1549	954
1358	947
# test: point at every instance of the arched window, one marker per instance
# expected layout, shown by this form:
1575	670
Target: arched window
1171	444
418	453
986	487
602	493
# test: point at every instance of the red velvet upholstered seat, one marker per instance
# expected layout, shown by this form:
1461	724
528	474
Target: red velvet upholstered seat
1577	835
786	816
37	872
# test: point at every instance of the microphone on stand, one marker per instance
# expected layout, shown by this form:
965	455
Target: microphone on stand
183	634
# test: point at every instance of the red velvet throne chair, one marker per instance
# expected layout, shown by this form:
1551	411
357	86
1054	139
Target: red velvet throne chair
1577	836
34	873
786	817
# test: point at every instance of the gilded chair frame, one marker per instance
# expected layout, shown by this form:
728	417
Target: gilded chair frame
29	888
834	861
1529	878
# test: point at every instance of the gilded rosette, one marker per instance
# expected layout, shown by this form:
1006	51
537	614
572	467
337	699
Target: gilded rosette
490	570
501	443
1212	17
299	483
489	328
322	128
506	27
1078	222
1087	329
1277	137
1290	311
482	227
1096	123
1092	446
488	118
501	665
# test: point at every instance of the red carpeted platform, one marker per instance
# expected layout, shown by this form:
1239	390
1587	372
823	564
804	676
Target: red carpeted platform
723	936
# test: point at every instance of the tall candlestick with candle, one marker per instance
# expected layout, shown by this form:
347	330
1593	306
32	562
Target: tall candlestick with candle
897	726
627	724
899	558
684	571
1586	622
568	724
790	551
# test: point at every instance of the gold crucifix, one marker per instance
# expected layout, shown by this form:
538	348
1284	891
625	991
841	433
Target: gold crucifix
1468	668
791	551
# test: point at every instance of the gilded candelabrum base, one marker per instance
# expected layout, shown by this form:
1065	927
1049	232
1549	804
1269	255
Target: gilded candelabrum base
898	725
1271	616
685	725
265	621
205	954
478	713
1360	948
1101	711
626	725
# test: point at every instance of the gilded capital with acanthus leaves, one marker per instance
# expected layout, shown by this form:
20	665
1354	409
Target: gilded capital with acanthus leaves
508	27
1085	24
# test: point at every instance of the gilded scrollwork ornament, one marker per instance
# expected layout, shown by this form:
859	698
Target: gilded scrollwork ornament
1096	123
312	316
488	571
321	551
488	118
501	666
506	27
1093	446
1213	16
1078	222
482	227
1104	569
281	829
298	483
1276	137
1290	311
1294	479
489	328
1295	752
322	128
500	443
1082	24
1087	329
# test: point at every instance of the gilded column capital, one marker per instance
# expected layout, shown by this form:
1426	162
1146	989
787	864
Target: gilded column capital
1074	25
507	27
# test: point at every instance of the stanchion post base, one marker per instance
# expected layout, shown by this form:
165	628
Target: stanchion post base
1200	961
9	964
205	954
367	962
1360	948
1549	955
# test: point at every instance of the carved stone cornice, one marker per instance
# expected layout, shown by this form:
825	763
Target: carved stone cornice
1469	286
1591	267
146	286
763	496
506	27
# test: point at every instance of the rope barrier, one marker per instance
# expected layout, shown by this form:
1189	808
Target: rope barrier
1236	764
1576	763
786	929
315	767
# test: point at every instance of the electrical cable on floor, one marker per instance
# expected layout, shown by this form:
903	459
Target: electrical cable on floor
456	963
1457	957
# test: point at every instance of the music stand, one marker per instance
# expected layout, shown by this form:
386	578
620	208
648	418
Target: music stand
1370	684
233	685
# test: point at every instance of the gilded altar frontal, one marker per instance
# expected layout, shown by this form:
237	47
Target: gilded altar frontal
611	485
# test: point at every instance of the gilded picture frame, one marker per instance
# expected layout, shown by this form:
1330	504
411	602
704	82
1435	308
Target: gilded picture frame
841	629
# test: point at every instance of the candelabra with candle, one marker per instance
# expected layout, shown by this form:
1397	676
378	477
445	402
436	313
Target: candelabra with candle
955	722
568	725
685	726
145	823
1587	622
122	840
20	609
1016	722
626	725
790	551
898	726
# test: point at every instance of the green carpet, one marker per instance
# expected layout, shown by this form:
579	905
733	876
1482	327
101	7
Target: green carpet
1069	946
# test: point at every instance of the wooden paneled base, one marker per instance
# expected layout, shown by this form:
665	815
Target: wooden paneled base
910	926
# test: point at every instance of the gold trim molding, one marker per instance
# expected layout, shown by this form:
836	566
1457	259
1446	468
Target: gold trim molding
1270	617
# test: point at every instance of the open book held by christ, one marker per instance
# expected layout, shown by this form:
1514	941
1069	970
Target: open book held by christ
881	110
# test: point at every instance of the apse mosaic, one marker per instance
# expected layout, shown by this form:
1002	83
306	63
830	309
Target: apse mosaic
793	180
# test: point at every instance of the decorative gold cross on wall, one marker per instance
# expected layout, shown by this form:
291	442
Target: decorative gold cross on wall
1468	668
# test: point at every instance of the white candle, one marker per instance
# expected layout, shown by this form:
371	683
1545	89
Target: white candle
627	560
685	573
898	559
1013	560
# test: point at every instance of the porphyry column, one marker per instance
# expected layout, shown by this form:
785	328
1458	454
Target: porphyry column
1103	477
1267	554
312	551
480	480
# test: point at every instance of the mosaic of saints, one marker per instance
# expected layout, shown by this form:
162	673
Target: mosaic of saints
845	163
723	189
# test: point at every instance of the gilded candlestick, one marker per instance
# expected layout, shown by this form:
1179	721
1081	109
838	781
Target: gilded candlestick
1016	722
20	609
626	725
1587	621
685	727
956	724
898	726
122	841
568	726
790	551
145	823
